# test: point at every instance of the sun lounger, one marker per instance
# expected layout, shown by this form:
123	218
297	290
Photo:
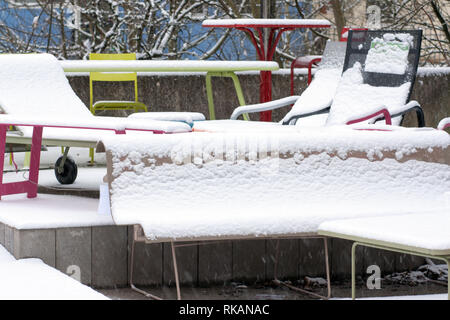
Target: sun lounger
33	86
94	125
278	184
425	235
379	71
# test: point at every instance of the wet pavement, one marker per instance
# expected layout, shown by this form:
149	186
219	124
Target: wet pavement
268	292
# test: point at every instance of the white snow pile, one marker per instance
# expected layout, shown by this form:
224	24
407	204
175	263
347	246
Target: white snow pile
265	22
50	211
420	230
186	117
320	92
353	97
432	71
318	95
258	184
31	279
389	54
236	125
165	66
33	88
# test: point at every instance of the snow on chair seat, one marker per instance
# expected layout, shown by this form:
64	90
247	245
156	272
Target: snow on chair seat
367	84
34	86
186	117
210	186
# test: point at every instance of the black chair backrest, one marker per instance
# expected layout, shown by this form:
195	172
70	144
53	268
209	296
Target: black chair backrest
361	41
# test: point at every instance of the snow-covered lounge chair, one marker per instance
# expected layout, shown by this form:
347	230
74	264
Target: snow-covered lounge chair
34	86
275	184
379	71
424	234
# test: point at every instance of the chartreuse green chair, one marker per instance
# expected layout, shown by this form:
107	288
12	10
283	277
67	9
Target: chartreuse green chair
113	77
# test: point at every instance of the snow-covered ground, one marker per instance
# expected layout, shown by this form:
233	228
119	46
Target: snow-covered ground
32	279
88	178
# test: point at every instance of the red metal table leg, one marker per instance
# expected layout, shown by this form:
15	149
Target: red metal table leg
265	94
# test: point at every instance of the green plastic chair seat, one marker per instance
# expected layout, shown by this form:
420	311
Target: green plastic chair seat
119	105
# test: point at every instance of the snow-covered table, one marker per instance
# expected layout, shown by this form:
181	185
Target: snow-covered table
265	51
212	69
425	234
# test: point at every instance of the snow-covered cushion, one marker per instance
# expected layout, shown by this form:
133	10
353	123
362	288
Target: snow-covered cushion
389	54
354	97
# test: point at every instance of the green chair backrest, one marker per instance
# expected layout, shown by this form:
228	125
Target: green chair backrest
112	76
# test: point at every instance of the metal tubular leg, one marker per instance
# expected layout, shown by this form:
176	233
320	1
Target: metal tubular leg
3	130
36	144
209	94
327	268
175	270
448	278
240	94
277	256
63	161
354	270
133	287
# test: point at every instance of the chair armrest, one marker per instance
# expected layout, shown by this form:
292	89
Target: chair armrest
371	115
306	114
411	106
400	111
266	106
444	124
303	62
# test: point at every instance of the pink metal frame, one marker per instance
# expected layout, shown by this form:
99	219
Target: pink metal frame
266	54
383	111
30	186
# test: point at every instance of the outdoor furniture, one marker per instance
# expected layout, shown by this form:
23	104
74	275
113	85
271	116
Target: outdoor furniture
212	69
282	182
49	97
266	50
444	124
304	62
114	77
425	235
360	94
309	61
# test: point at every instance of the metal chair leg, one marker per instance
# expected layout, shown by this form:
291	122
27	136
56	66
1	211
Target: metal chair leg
327	268
133	287
175	270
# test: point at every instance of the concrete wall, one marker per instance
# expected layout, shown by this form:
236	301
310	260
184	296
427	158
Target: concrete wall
188	93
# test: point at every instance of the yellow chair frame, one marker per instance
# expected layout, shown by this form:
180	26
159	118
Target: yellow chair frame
114	77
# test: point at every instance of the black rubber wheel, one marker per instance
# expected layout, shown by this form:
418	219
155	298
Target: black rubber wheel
69	173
